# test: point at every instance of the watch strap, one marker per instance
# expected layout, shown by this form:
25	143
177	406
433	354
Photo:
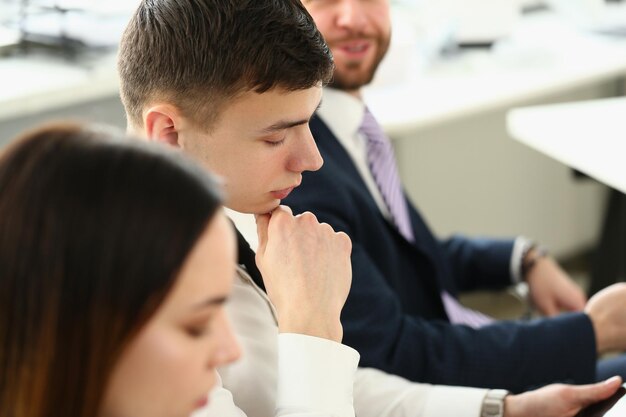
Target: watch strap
493	404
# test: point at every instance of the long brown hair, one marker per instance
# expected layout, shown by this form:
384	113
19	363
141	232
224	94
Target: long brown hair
93	230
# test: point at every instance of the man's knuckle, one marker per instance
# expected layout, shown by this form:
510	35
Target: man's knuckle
344	240
307	218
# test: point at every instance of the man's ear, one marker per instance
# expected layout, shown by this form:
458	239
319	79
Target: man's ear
161	124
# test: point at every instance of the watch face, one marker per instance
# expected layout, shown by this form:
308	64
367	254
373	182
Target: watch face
613	406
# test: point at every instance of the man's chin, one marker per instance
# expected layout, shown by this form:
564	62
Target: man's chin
263	208
268	208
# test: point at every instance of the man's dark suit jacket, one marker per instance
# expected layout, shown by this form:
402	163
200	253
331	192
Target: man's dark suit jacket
394	315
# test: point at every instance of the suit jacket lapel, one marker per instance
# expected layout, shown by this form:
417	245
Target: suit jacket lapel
329	145
246	258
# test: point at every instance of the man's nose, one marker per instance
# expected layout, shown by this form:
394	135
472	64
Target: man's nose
351	15
306	156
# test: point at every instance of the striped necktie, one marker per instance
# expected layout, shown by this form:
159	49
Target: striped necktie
384	169
382	163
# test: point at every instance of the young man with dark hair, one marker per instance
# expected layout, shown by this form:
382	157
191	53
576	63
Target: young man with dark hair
405	280
229	83
234	83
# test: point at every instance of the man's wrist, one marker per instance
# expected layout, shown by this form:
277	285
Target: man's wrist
599	330
530	257
326	329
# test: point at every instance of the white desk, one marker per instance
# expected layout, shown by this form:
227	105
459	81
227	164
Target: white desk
589	136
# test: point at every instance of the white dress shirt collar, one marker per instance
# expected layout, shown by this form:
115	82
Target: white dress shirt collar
343	114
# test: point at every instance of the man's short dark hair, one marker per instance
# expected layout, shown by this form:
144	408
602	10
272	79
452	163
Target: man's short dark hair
195	54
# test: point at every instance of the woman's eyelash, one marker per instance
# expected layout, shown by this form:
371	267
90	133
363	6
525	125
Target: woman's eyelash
197	331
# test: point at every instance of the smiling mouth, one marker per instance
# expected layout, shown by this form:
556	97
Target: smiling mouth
353	46
356	48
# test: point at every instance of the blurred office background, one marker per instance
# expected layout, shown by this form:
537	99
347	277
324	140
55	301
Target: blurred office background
454	71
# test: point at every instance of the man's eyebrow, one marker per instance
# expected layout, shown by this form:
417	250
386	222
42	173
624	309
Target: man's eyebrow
286	124
210	302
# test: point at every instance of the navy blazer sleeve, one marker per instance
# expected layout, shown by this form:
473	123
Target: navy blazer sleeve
512	355
478	263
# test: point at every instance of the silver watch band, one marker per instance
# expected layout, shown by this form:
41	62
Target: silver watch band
493	404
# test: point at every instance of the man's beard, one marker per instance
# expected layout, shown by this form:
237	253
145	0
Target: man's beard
350	78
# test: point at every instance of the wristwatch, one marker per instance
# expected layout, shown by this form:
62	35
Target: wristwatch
493	404
527	263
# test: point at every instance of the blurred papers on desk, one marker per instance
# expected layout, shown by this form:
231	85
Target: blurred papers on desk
93	23
593	15
485	21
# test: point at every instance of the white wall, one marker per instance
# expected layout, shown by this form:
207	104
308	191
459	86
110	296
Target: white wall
470	177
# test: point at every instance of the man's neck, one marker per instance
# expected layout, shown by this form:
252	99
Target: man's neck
354	93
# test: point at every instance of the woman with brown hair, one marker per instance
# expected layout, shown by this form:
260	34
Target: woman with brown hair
115	262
